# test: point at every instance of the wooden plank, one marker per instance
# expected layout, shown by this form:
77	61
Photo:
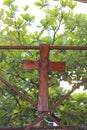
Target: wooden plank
57	66
83	1
43	83
30	65
20	128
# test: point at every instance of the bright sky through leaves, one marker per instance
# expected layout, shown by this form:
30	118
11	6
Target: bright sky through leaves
81	8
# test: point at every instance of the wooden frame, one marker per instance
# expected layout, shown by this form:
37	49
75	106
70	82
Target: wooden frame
44	60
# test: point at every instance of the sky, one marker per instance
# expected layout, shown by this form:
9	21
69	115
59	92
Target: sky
81	8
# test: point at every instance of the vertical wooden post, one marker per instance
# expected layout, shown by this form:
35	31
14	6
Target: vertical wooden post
43	83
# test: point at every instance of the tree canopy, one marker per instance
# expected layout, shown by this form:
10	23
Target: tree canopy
65	28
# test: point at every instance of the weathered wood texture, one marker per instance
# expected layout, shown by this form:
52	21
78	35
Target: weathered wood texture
57	66
30	65
41	65
44	66
43	83
83	1
21	128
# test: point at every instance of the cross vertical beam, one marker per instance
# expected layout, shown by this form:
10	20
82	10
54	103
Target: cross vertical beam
43	83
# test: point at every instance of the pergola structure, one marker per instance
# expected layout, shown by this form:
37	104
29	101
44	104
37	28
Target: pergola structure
44	65
83	1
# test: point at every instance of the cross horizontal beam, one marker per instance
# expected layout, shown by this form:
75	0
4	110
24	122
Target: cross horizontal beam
51	47
57	66
31	65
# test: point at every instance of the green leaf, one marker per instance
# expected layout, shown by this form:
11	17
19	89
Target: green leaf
26	7
41	4
8	2
54	12
44	22
47	39
8	21
19	21
27	17
14	7
1	13
37	3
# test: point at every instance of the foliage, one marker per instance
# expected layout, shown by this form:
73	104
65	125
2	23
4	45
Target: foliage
65	28
72	112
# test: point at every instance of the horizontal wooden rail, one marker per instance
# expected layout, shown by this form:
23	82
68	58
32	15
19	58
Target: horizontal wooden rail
20	47
68	47
48	127
51	47
57	127
9	128
83	1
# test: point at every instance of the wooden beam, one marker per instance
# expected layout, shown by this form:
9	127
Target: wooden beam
43	83
30	65
9	128
57	66
83	1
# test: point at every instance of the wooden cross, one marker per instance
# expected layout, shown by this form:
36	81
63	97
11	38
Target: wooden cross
44	66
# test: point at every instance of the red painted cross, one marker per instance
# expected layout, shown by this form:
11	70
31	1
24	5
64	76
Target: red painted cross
44	66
